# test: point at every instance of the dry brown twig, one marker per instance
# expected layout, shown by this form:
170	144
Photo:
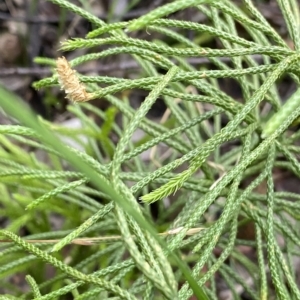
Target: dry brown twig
87	241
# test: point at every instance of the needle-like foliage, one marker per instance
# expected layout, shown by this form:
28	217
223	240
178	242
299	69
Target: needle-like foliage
169	226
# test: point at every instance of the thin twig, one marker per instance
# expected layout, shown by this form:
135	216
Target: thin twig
45	71
55	20
88	241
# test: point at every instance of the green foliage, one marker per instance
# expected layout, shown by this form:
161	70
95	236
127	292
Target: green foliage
114	249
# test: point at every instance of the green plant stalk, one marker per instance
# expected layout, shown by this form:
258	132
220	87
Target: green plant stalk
261	264
274	122
270	229
34	286
162	11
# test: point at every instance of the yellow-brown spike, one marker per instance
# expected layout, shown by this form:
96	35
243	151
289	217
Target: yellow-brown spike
69	81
